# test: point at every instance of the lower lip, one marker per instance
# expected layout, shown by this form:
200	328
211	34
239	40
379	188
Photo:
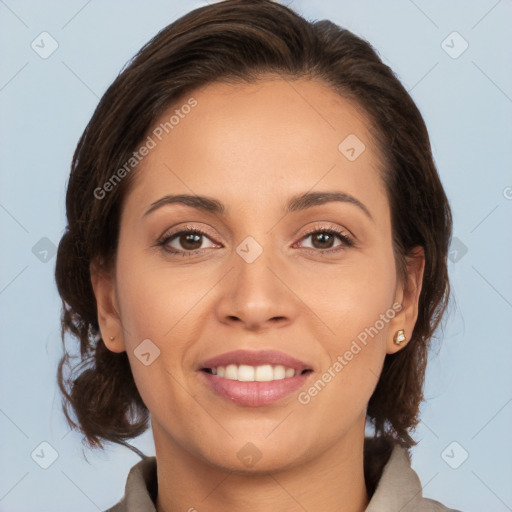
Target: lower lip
255	394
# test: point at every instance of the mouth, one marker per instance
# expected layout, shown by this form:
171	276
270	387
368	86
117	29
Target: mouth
254	378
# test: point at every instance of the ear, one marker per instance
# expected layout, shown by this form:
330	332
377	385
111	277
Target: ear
104	287
407	294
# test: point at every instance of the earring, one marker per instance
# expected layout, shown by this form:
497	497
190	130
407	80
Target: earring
111	338
399	337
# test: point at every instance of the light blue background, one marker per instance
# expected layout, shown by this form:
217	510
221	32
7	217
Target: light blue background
467	105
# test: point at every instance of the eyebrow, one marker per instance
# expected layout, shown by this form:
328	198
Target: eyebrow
296	203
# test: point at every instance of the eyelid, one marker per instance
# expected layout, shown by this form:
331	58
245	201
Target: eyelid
187	228
326	227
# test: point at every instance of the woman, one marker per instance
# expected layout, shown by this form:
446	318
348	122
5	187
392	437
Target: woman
255	259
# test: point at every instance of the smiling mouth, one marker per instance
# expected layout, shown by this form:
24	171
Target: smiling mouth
260	373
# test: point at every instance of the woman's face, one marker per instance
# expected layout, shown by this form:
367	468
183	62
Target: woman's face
310	279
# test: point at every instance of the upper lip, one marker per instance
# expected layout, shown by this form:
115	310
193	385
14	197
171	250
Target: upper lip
253	358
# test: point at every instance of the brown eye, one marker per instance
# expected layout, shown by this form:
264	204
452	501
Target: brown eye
190	241
185	242
322	240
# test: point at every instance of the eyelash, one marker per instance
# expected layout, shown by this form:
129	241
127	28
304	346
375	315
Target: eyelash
347	241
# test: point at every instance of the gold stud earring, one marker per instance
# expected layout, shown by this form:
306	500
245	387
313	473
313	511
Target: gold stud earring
399	337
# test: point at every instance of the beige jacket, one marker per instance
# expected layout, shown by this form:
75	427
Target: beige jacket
399	488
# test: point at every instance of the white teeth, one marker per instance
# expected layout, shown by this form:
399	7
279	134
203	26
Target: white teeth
247	373
264	373
289	372
231	372
279	372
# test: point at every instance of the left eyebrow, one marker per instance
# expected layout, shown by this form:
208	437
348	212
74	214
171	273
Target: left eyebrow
310	199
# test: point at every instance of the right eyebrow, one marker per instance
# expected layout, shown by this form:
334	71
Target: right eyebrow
204	203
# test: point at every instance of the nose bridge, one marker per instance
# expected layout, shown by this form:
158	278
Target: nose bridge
253	278
255	295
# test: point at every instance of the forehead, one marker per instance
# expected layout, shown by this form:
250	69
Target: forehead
244	141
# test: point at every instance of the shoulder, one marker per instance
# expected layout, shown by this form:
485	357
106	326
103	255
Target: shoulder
399	488
140	490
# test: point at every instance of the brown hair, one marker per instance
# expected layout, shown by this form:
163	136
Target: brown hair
239	41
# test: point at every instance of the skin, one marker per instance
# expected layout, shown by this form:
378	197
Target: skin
252	147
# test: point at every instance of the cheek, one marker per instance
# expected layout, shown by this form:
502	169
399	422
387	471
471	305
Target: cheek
354	359
153	297
351	296
163	305
357	305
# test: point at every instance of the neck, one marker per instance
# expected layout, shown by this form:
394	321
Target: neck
332	482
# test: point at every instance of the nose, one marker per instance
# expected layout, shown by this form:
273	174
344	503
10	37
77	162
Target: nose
255	295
